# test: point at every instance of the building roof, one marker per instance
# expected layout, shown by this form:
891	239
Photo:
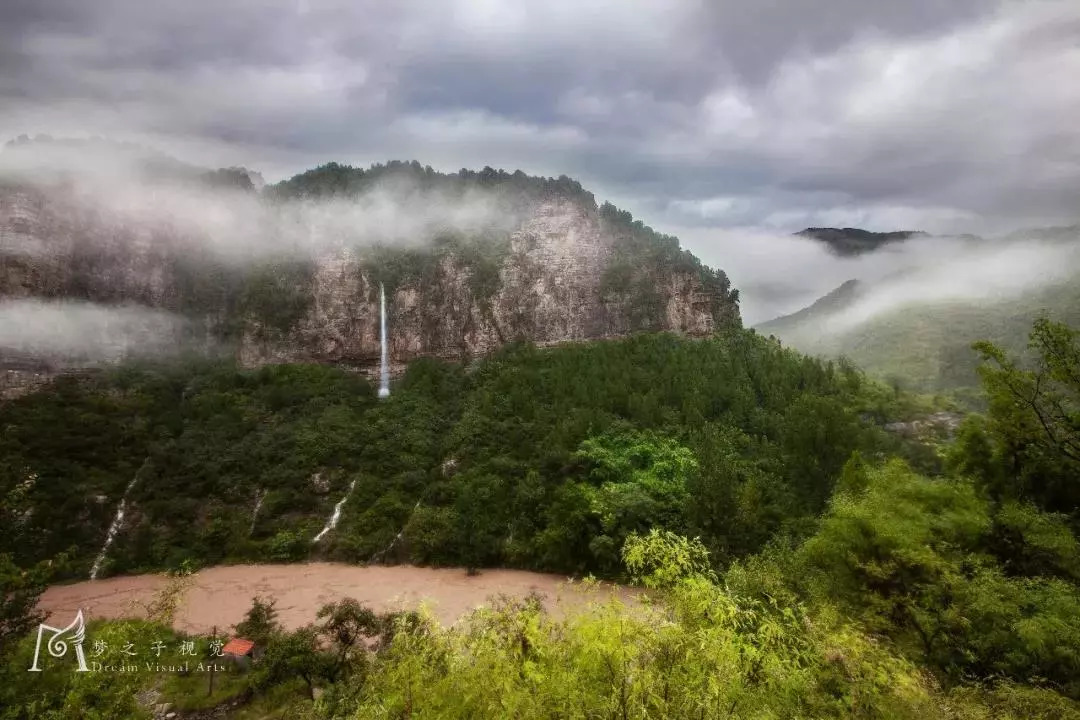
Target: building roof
238	647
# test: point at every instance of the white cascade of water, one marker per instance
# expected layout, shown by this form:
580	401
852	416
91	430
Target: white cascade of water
117	523
384	370
382	554
260	495
336	515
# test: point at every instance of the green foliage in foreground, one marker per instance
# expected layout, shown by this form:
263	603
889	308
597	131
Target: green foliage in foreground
1029	445
700	649
901	605
920	561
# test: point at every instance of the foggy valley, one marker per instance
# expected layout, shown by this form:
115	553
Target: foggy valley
536	360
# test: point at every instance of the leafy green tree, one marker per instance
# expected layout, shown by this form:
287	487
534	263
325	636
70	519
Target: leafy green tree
636	481
854	477
818	436
260	622
1034	418
662	559
347	625
478	518
294	655
908	557
19	592
1030	543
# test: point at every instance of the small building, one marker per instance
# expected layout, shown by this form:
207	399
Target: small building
241	651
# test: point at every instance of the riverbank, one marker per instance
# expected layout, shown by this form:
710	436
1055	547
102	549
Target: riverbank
219	596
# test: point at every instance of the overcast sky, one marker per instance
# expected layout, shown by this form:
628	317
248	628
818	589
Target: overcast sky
696	115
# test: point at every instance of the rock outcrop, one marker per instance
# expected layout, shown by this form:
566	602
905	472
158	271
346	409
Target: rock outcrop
562	273
549	291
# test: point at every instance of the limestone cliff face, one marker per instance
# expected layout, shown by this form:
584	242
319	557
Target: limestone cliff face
549	291
548	284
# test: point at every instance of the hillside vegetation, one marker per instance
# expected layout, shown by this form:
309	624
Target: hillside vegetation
924	347
542	459
797	565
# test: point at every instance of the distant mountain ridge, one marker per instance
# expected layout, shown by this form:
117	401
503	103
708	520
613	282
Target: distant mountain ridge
855	241
45	158
922	346
836	299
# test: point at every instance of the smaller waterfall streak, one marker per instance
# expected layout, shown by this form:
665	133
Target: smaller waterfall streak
384	370
336	515
379	556
117	523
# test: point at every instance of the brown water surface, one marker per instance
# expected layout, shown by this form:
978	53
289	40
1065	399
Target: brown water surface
219	596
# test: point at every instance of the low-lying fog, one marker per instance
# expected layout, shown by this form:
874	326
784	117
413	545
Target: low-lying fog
237	225
106	193
781	274
776	274
79	333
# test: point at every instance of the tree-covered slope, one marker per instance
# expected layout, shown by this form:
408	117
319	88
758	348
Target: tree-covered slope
540	458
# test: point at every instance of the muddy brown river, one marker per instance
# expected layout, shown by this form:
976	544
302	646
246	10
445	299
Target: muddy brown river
219	596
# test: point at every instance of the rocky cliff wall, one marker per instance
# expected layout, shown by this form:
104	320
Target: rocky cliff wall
544	283
549	290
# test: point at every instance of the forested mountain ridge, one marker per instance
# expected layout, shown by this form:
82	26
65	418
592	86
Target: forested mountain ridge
923	346
470	261
855	241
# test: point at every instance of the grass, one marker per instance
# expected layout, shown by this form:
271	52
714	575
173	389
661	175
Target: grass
289	700
190	692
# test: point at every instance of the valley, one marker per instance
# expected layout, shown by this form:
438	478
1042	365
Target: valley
540	360
302	447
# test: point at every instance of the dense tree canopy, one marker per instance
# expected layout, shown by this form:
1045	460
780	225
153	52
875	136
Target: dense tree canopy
540	458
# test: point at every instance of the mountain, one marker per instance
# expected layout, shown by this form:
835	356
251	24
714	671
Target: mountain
855	241
922	345
818	311
469	261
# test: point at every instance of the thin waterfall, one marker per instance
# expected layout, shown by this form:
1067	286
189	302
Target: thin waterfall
117	522
384	371
333	521
380	556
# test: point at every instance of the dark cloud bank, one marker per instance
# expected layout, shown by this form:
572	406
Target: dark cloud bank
727	122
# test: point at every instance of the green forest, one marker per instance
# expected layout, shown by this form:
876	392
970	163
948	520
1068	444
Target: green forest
798	559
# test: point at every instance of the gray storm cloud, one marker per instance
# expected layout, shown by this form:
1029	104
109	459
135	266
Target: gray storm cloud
720	114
